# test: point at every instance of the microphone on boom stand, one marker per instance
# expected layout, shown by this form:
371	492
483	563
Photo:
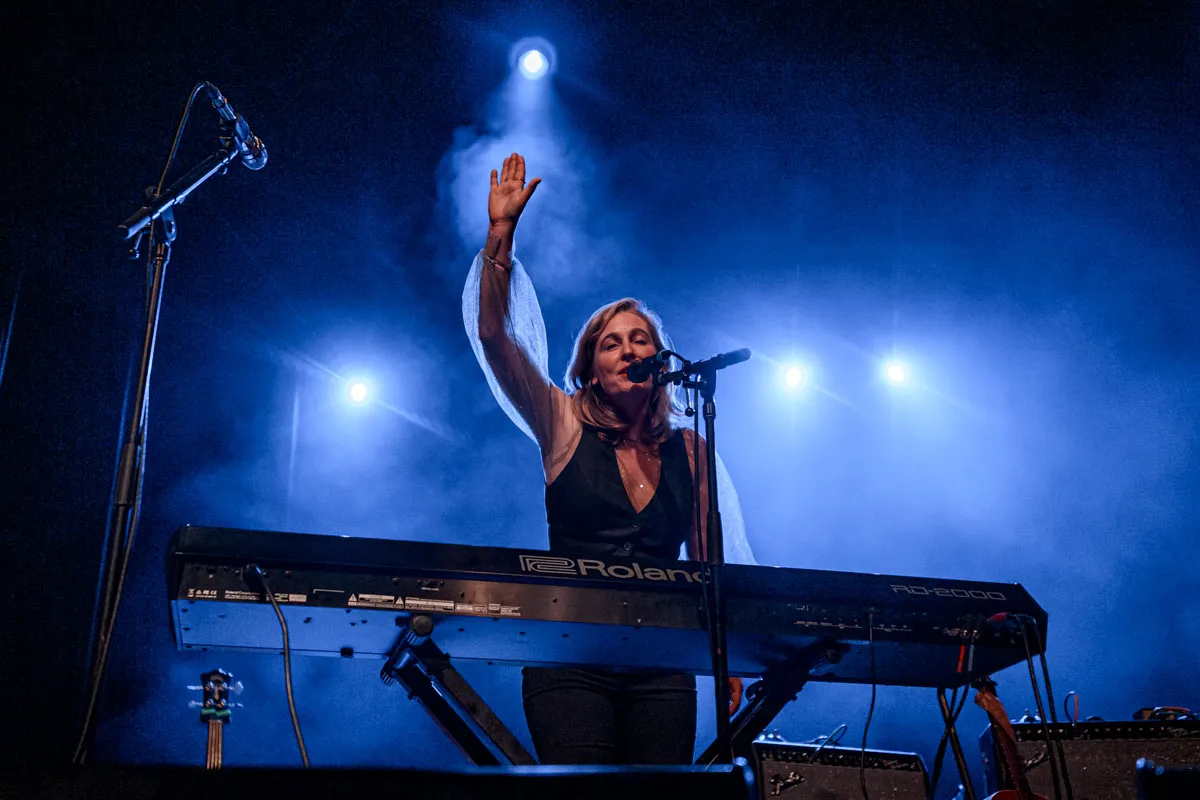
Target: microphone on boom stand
249	147
702	377
643	369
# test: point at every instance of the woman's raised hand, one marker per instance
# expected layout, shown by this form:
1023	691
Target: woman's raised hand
509	192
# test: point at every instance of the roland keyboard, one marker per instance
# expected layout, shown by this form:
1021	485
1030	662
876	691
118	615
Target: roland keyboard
354	596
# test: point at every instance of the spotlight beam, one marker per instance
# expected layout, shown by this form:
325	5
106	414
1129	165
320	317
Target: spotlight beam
533	57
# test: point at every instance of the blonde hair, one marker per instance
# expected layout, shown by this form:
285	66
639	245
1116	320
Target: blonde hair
592	405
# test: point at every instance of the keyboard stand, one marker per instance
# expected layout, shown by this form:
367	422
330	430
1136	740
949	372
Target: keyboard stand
955	745
767	697
423	669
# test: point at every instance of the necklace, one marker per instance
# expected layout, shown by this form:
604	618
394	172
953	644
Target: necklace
638	452
625	475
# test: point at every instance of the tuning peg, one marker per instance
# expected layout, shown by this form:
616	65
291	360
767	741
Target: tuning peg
236	687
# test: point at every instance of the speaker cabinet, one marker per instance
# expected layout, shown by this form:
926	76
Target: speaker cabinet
1160	783
803	771
1101	756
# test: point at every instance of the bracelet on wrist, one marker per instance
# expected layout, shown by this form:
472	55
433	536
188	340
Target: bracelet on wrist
493	262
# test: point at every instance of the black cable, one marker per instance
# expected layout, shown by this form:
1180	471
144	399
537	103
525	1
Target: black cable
287	660
830	738
98	641
862	761
113	579
1037	697
1057	749
187	110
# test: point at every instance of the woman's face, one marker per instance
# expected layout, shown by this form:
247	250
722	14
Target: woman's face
625	339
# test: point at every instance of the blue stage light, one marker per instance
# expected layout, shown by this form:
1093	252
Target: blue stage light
896	373
533	58
533	64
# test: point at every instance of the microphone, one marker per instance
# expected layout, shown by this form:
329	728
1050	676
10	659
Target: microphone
249	146
641	370
714	363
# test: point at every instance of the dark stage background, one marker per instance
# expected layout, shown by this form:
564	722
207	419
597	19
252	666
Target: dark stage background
1004	195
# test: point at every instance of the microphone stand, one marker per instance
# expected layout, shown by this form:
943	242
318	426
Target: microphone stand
178	191
704	379
122	523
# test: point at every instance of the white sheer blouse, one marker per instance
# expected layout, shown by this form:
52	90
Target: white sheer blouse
526	332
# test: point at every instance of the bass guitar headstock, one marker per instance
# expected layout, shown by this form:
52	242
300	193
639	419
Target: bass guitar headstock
216	706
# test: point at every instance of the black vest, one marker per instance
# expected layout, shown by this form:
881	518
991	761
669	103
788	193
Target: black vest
590	514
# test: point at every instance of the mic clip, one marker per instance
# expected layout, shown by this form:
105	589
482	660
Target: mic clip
705	368
651	366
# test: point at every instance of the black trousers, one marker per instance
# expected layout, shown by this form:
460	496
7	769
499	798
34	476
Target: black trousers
578	716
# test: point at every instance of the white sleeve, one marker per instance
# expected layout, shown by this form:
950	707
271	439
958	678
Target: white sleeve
733	524
525	327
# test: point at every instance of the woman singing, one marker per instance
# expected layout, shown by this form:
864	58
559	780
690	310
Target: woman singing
618	467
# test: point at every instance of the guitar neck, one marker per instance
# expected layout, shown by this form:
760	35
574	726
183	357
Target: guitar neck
214	712
1016	770
1003	731
216	741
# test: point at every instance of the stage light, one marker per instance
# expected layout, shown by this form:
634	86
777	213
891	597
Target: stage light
359	392
533	64
795	377
896	373
533	57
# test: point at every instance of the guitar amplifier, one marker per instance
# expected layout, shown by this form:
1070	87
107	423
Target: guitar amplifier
801	771
1101	756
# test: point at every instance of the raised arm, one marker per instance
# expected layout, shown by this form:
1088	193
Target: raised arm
519	375
506	202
